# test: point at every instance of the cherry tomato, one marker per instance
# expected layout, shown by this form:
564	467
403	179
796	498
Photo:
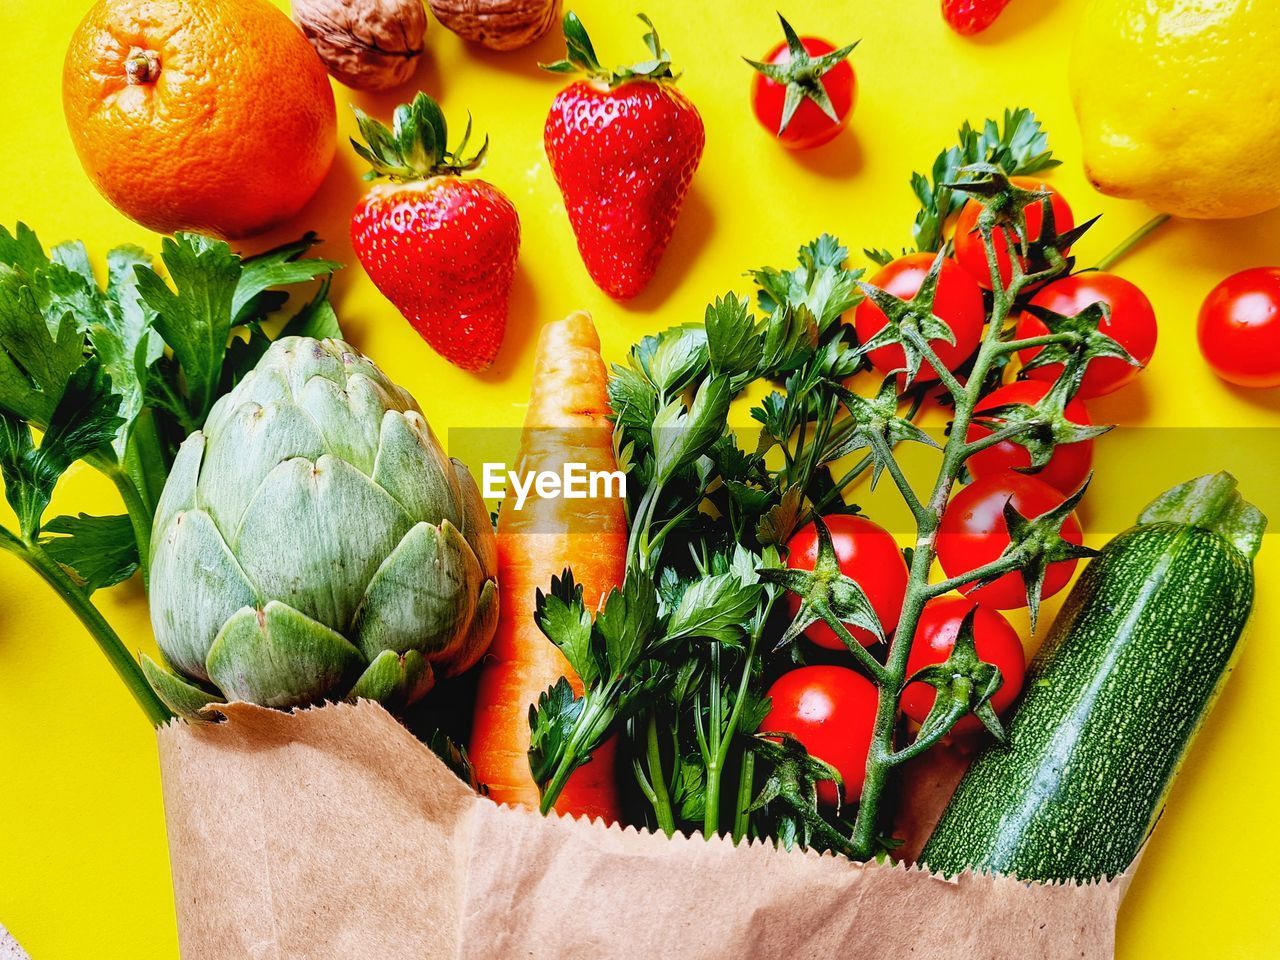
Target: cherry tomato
809	126
1132	324
1239	328
868	554
957	302
832	711
994	640
1069	463
972	254
973	533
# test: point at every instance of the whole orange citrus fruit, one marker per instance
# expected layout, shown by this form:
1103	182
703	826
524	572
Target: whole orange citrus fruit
210	115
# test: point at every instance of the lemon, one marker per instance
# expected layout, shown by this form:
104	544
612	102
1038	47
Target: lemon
1177	104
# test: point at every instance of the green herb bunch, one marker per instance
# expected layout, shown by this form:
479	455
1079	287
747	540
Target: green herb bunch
116	378
677	660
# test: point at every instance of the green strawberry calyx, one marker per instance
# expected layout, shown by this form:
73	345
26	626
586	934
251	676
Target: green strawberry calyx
802	75
416	145
581	57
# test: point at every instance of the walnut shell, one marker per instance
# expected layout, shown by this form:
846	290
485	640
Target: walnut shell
366	44
497	24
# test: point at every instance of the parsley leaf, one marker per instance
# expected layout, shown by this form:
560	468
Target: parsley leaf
680	436
196	320
97	551
822	282
1018	146
714	608
282	266
84	420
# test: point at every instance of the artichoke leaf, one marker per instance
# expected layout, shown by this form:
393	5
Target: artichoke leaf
477	528
315	535
479	635
348	415
179	492
394	680
196	585
279	657
238	458
185	699
423	597
412	467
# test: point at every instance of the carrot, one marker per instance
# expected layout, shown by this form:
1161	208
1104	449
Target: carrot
567	422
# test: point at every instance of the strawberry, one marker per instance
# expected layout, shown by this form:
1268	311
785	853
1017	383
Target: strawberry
623	145
972	16
442	249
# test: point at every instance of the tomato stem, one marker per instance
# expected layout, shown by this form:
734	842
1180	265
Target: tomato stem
1133	240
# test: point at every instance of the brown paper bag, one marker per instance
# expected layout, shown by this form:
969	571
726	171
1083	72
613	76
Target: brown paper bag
333	834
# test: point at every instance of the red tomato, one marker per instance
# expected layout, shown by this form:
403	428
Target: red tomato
973	533
832	711
972	254
1239	328
809	126
994	640
1070	462
958	303
1132	324
868	554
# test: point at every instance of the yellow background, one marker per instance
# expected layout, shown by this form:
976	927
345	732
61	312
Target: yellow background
83	863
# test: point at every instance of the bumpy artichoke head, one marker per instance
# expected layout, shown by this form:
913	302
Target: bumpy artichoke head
314	542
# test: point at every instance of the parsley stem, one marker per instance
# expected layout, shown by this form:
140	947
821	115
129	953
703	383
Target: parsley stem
657	778
746	788
1133	240
139	518
108	640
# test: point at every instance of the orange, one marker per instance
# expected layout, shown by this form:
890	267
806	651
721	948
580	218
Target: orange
209	115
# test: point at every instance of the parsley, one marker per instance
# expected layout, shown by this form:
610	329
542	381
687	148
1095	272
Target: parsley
1018	146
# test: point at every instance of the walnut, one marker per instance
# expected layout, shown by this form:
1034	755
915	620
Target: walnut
497	24
366	44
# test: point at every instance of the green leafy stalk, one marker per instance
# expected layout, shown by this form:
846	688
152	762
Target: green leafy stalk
115	377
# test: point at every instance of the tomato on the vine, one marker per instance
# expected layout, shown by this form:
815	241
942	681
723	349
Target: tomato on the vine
994	641
957	302
868	555
1132	324
972	533
1068	464
832	711
971	252
1239	328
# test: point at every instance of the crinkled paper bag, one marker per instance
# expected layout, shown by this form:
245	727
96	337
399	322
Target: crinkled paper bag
333	834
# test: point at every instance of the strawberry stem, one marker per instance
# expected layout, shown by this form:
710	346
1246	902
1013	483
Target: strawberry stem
802	75
580	56
416	146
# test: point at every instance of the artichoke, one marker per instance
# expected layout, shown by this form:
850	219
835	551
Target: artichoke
313	542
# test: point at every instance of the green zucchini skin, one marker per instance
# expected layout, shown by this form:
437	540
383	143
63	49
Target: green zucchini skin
1111	702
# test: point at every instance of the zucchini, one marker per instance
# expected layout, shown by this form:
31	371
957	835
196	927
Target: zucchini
1128	672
